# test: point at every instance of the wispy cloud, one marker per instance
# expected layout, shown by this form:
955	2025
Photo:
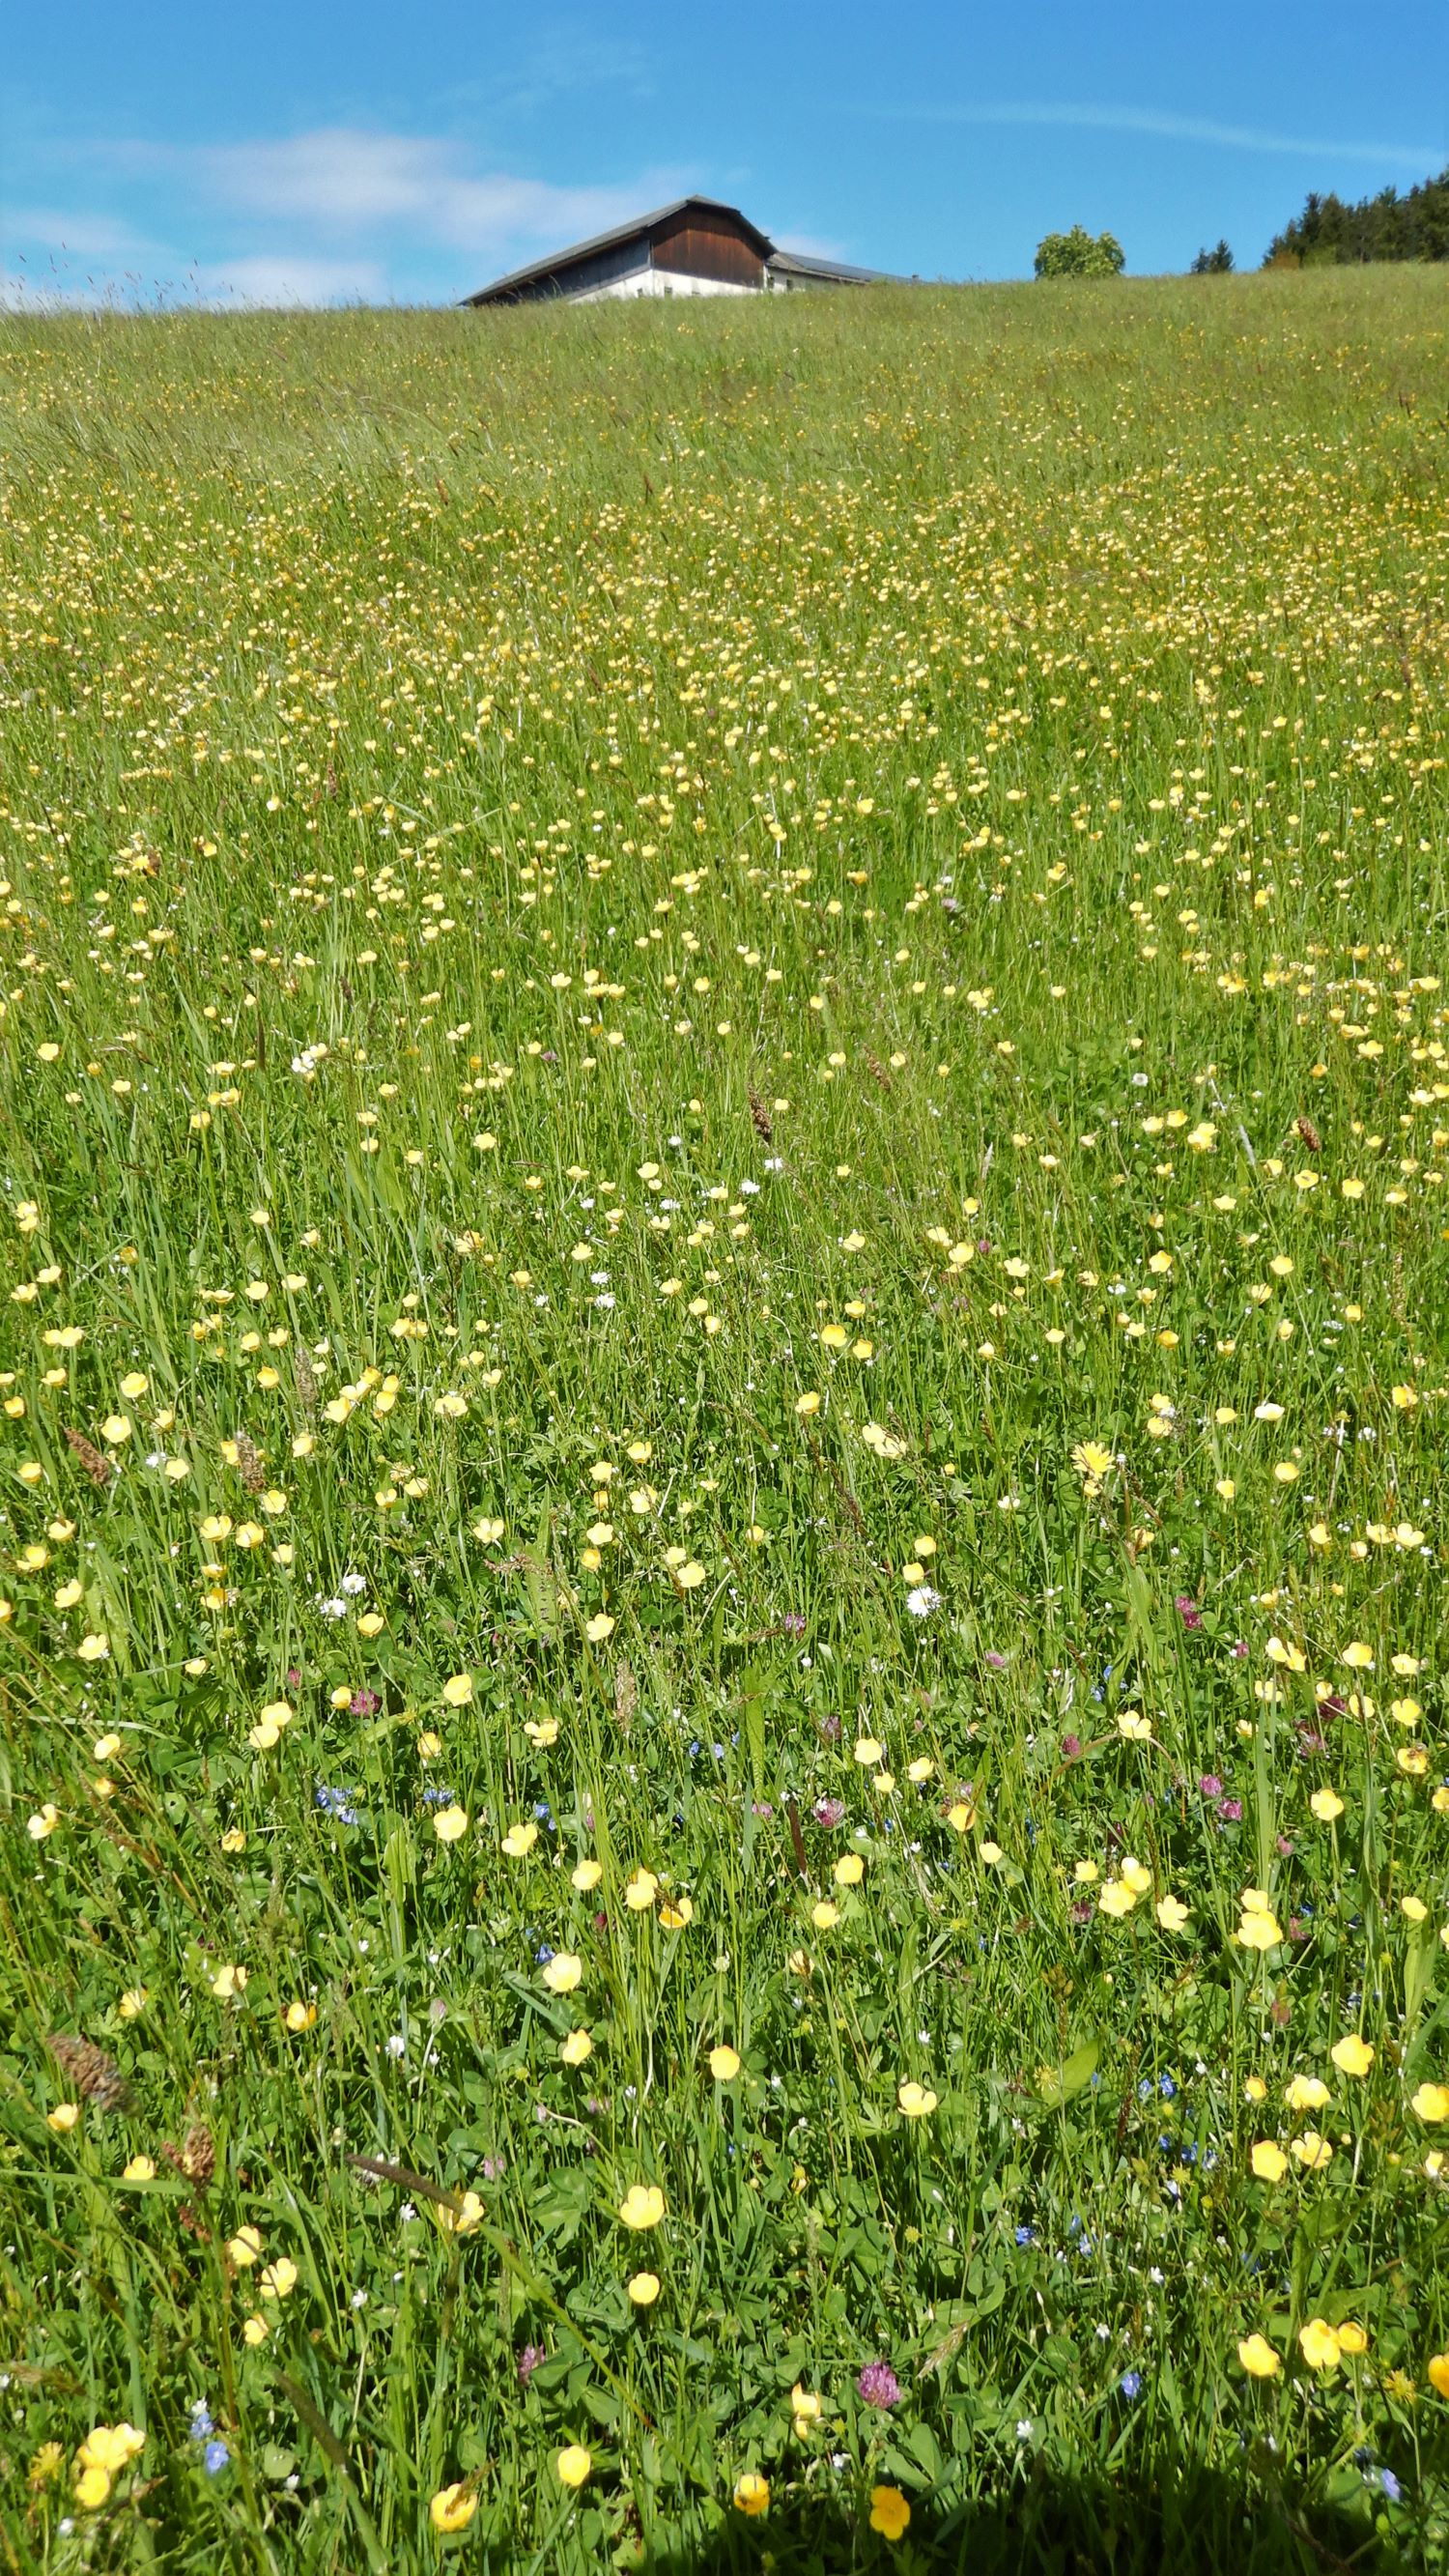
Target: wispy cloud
261	279
1162	123
564	59
347	181
328	216
812	245
77	233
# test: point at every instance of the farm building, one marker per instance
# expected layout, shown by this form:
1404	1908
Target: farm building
697	246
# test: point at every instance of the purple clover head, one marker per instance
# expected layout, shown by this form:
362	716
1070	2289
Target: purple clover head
1187	1610
1071	1747
878	2385
830	1812
528	2361
1209	1785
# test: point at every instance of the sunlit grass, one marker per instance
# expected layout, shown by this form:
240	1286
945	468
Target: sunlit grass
723	1084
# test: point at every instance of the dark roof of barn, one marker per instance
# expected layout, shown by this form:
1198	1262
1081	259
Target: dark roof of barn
557	261
831	272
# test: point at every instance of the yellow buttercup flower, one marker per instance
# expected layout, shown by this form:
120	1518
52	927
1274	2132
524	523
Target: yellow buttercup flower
1319	2344
1312	2152
889	2512
752	2493
572	2464
453	2508
1352	2055
916	2101
806	2410
1258	2358
642	2206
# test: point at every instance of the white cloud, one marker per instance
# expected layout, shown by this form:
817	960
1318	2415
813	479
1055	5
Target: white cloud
1169	127
347	182
262	278
811	245
330	216
82	236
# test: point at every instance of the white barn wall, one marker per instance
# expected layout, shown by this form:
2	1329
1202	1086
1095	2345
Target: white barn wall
654	281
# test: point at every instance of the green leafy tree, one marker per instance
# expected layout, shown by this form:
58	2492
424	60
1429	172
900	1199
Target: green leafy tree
1330	234
1079	254
1213	263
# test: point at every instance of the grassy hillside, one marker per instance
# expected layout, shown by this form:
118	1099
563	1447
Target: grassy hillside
722	1121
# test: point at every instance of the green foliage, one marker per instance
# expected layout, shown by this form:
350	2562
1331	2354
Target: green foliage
1079	254
839	913
1328	233
1213	263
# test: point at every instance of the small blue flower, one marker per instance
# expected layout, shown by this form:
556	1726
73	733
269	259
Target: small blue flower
201	2423
214	2458
1391	2486
1026	2235
1167	2088
543	1954
1130	2383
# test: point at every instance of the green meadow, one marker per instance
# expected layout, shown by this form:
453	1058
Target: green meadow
724	1094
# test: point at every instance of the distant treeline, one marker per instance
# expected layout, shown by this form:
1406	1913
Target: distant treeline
1328	233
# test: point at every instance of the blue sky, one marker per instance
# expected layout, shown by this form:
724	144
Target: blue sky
279	150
